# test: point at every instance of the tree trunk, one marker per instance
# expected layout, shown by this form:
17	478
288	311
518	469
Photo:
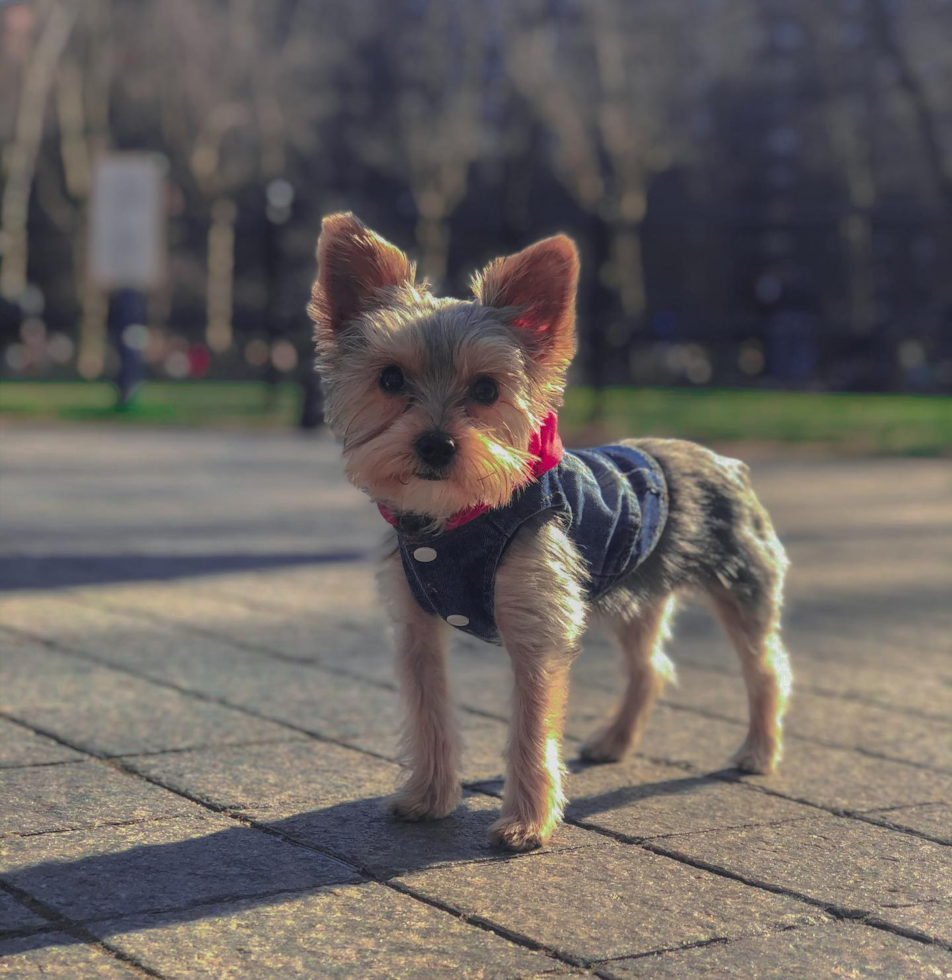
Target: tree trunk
221	267
21	156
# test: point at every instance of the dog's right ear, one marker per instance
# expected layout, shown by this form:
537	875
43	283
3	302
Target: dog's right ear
353	266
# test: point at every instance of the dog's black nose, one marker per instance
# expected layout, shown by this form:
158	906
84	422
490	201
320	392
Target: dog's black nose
435	448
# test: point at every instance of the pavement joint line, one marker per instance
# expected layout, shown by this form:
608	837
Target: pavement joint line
27	932
633	839
8	767
133	822
251	743
489	925
882	757
812	740
171	625
809	689
661	951
943	842
62	923
866	816
220	900
725	941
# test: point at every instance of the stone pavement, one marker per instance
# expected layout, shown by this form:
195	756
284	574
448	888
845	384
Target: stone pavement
198	720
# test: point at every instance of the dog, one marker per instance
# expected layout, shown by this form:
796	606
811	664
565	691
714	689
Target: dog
446	412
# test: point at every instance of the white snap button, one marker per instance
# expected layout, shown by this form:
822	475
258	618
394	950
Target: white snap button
455	620
425	554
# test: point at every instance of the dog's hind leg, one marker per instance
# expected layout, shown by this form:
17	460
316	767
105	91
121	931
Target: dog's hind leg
754	628
642	644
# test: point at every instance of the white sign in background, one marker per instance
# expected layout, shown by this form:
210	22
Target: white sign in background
127	221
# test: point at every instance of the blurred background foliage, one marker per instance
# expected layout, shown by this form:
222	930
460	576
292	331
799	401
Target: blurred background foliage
761	189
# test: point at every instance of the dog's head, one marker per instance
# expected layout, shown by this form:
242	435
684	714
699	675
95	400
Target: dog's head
436	400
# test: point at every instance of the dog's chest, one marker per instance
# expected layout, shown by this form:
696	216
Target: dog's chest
612	502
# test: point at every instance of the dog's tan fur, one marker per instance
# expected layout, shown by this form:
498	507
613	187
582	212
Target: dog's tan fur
519	330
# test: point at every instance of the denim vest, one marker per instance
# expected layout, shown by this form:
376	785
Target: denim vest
611	500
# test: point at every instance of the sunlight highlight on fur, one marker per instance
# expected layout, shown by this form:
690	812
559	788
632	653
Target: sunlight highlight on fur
556	797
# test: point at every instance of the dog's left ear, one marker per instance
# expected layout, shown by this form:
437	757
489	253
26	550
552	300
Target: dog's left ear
536	290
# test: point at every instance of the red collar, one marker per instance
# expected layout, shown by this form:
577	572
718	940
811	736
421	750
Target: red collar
545	445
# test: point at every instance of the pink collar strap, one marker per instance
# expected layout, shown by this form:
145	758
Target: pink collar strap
545	446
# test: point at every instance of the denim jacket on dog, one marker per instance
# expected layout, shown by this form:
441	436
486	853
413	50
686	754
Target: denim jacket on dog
612	501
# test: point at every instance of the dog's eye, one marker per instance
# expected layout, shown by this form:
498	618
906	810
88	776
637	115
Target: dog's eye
392	380
485	391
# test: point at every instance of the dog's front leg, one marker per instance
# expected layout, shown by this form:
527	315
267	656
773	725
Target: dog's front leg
431	740
533	800
540	613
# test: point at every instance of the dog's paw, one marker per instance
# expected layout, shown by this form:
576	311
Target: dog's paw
428	803
515	834
758	757
606	745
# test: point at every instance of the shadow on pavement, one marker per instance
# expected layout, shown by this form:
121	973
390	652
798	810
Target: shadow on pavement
67	571
184	880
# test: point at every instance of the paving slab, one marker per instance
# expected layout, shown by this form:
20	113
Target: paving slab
837	949
148	648
364	931
896	877
625	901
641	800
841	779
336	799
314	636
55	955
15	916
21	747
171	864
86	794
932	820
105	711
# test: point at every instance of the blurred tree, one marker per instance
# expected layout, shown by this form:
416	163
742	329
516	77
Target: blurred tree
811	137
72	60
43	33
916	40
419	72
616	82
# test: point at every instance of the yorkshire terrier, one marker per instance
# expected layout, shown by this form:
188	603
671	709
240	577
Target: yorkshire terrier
446	410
